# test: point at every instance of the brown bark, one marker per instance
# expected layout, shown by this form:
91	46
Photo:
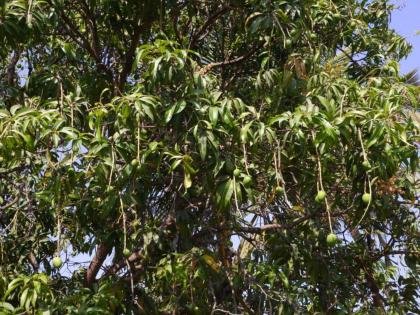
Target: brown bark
33	261
11	69
239	59
121	264
378	300
102	251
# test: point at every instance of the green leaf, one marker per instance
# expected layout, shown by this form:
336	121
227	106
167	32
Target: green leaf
6	306
23	297
213	115
187	179
169	113
244	132
224	193
202	146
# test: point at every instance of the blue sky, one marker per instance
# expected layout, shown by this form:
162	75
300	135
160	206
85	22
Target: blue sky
406	21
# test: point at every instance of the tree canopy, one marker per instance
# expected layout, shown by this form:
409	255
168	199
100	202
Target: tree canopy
206	157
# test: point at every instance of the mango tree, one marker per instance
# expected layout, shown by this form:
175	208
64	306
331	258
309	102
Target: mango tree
206	157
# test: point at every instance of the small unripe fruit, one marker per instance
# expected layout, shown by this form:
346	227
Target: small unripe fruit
237	172
366	198
109	188
135	163
288	43
247	180
332	239
279	190
126	252
57	262
320	196
366	165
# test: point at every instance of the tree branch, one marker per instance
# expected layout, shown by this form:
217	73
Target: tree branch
14	201
11	68
210	21
82	41
122	263
33	261
212	65
129	57
276	226
91	21
101	252
378	299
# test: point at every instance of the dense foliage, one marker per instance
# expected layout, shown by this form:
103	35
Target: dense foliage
206	157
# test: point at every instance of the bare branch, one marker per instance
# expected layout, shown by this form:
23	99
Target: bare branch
11	69
118	266
14	201
102	251
33	261
212	65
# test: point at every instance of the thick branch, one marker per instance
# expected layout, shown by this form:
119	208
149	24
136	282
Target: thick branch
378	299
33	261
376	295
260	229
11	69
276	226
122	263
101	252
